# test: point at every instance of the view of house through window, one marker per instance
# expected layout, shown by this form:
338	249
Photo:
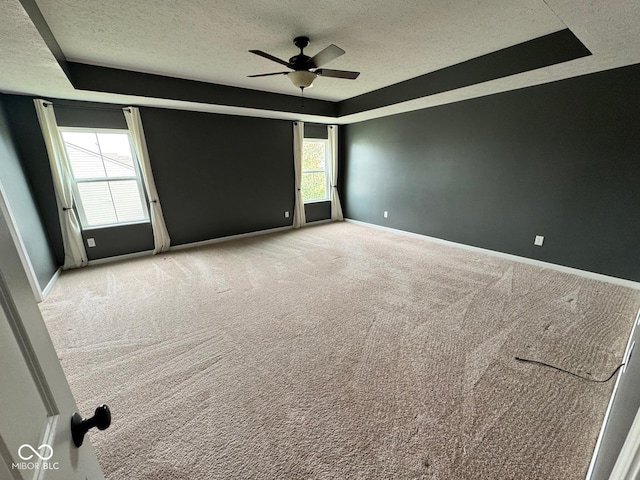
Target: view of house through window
315	175
108	189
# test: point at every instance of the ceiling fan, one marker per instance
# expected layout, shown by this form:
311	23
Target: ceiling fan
306	69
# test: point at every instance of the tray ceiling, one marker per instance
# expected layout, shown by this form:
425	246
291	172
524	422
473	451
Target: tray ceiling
389	42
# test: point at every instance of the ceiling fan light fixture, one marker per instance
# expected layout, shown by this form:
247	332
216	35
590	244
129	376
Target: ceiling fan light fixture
302	78
306	69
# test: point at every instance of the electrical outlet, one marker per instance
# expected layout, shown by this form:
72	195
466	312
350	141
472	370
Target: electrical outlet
539	240
91	242
286	214
385	214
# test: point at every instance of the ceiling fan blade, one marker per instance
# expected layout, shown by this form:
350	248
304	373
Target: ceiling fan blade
325	56
325	72
270	57
268	74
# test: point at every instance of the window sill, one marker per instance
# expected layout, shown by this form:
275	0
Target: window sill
114	225
317	201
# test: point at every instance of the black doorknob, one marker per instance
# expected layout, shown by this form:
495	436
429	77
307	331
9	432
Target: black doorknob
79	426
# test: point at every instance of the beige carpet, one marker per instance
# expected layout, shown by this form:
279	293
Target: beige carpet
339	352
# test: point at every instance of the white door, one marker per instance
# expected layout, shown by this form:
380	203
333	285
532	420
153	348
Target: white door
36	404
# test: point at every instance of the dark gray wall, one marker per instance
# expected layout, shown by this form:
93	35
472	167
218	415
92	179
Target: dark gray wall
317	211
559	160
558	47
89	115
315	130
33	155
217	175
118	240
220	175
35	163
18	194
113	80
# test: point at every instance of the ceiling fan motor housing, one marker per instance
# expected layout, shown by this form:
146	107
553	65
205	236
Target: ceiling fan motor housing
300	61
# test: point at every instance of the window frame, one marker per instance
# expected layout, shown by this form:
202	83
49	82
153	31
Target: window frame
326	171
84	224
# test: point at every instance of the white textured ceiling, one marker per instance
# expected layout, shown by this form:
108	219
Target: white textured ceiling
209	39
388	42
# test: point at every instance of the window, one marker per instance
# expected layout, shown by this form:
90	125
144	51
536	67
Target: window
107	187
315	175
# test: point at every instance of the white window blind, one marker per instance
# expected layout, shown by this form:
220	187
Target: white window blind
107	179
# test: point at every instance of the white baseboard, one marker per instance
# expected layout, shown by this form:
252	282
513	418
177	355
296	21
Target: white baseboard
508	256
185	246
230	237
51	283
317	222
119	258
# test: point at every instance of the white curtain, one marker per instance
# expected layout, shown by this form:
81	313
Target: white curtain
161	239
336	208
75	254
298	139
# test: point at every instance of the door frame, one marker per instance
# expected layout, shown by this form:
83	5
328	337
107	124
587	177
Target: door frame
31	352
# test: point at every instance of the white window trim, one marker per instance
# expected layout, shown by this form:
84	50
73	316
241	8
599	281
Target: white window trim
138	178
326	171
